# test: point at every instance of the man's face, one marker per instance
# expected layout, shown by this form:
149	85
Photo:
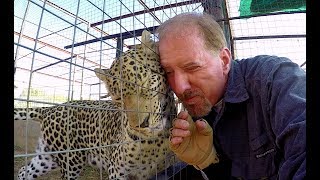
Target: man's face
197	75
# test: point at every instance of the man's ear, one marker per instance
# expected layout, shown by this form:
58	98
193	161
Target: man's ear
225	56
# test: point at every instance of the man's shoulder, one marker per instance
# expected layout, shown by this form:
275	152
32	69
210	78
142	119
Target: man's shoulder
263	60
261	63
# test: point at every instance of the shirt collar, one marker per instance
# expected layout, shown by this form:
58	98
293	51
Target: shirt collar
235	91
218	106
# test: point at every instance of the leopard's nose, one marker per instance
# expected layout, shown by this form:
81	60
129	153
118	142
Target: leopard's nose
145	122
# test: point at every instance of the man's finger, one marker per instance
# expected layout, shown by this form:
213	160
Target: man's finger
180	133
176	140
183	115
180	124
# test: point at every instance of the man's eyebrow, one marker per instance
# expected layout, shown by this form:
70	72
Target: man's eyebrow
192	63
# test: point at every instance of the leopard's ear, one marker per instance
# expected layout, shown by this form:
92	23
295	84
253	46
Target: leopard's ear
148	43
102	73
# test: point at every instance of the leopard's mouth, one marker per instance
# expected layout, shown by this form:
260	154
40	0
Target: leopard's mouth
145	122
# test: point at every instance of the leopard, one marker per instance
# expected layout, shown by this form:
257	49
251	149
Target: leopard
126	136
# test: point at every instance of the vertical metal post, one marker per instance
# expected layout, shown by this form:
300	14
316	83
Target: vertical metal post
20	34
119	46
218	9
30	79
227	28
213	7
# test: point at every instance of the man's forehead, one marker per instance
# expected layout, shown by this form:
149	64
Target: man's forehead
179	31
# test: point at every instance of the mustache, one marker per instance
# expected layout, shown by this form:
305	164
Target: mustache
188	94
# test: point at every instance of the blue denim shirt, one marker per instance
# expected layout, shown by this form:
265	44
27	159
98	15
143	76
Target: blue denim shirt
260	125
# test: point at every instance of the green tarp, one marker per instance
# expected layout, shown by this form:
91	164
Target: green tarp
252	7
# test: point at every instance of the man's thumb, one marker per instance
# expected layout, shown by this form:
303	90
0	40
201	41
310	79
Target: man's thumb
203	127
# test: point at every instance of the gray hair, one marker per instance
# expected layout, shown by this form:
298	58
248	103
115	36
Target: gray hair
207	27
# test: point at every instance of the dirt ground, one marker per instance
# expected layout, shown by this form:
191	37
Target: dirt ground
89	172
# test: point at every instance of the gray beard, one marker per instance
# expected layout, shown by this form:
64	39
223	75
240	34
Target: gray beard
200	110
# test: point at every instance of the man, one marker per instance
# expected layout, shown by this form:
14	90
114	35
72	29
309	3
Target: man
249	112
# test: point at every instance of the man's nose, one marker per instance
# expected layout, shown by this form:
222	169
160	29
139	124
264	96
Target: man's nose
181	83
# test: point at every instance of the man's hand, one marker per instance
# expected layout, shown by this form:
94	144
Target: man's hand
192	142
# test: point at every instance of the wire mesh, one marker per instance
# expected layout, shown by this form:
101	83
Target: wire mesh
58	44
